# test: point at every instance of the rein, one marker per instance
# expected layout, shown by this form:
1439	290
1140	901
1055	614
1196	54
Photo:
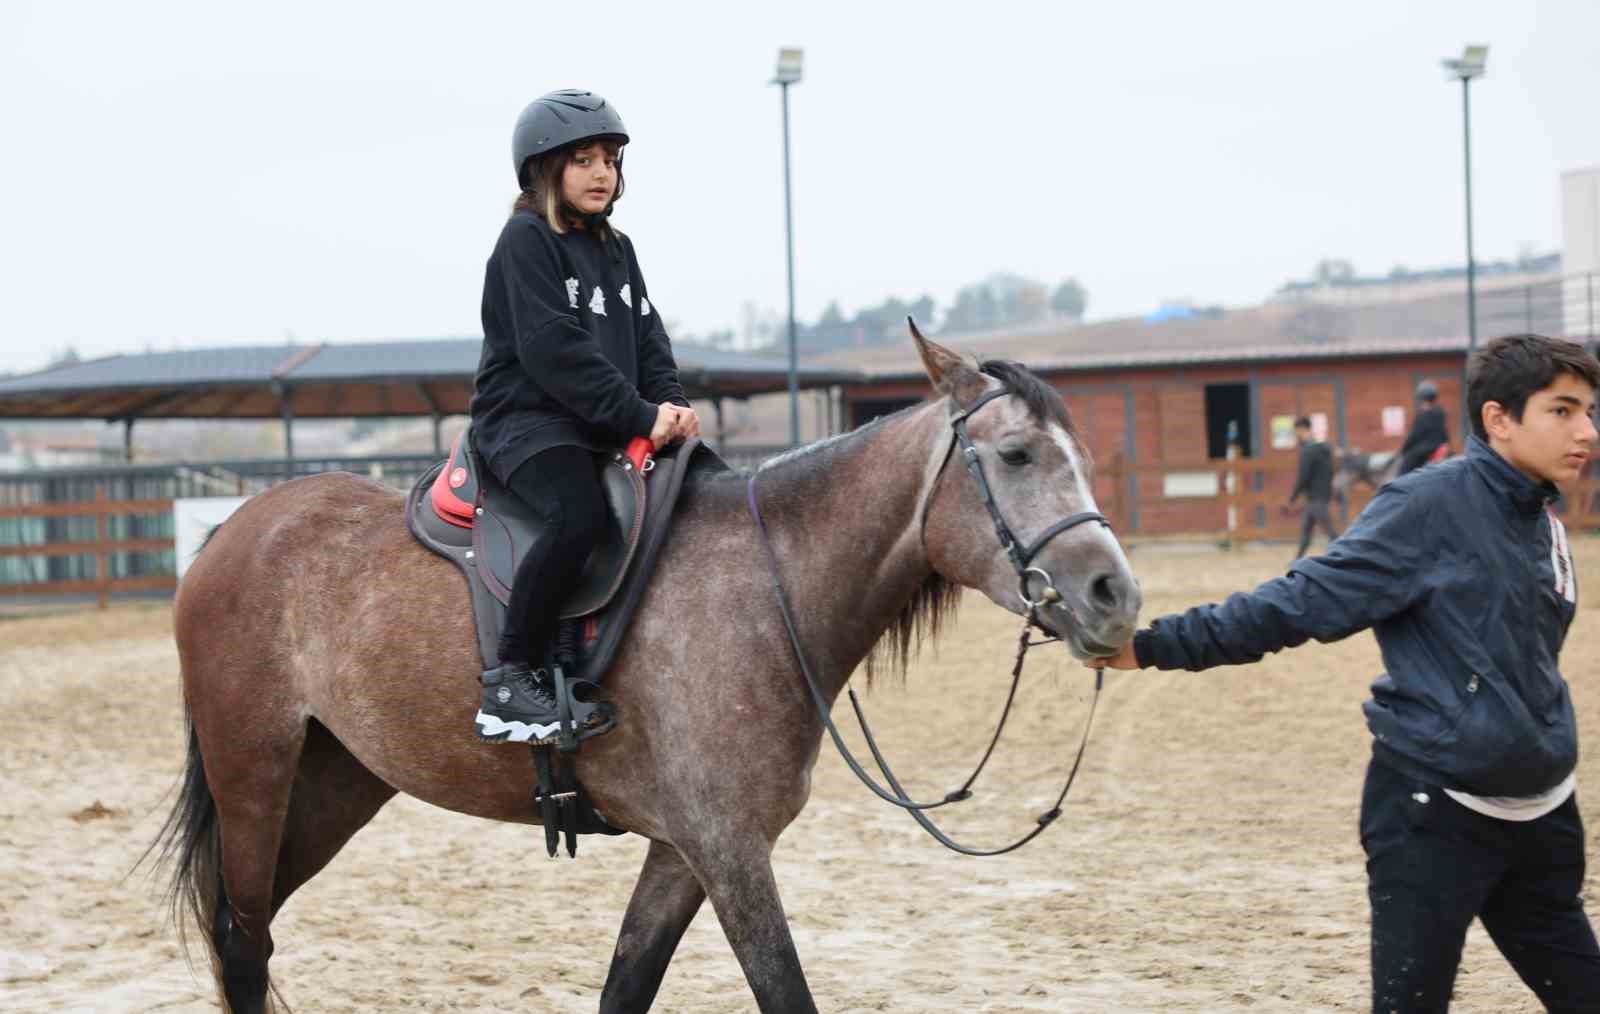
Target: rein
1021	560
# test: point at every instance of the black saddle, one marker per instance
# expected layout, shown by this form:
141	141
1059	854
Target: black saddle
461	511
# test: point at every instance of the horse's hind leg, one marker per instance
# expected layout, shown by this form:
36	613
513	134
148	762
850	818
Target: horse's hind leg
665	901
250	767
334	797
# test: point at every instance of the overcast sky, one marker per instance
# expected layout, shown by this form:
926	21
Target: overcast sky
214	173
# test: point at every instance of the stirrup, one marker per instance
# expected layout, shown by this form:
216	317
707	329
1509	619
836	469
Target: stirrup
580	719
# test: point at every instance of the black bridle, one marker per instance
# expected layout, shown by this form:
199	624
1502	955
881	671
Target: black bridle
1021	558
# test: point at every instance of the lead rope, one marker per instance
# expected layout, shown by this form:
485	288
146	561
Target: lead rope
898	796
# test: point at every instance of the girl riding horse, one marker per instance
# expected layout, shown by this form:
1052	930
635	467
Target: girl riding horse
575	360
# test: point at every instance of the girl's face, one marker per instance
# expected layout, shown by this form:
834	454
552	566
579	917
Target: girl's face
590	178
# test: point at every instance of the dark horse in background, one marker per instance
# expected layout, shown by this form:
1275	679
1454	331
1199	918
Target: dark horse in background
329	661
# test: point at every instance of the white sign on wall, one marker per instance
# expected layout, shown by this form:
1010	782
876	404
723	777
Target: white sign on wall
1185	484
192	519
1394	421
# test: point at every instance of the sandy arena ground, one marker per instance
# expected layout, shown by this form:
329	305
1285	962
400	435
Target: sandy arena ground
1207	861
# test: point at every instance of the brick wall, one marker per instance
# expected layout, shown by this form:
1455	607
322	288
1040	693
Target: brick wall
1166	407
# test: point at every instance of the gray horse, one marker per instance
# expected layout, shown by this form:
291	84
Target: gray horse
1376	469
329	662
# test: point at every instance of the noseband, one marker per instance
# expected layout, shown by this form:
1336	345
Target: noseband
1021	559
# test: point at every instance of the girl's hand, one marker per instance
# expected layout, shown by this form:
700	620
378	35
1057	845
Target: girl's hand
665	431
688	423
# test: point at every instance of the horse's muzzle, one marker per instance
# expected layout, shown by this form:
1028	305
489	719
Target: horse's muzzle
1097	616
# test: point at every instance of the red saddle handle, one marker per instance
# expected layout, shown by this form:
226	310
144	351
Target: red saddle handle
639	451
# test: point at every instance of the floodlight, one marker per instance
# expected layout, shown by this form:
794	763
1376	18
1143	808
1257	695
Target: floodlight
789	61
1472	63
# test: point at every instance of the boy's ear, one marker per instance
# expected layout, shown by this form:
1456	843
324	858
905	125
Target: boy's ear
1496	420
949	373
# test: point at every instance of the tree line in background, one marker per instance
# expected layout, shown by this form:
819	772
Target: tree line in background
1001	300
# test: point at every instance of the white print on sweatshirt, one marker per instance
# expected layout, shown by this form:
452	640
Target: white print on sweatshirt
627	295
597	303
572	292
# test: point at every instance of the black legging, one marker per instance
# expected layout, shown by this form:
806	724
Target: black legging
560	483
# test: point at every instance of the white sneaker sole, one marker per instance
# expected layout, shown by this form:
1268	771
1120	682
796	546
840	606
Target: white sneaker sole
502	731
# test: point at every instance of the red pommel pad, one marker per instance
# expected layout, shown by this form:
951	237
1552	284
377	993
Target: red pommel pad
451	478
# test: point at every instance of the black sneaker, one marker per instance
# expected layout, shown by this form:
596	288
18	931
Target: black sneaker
518	706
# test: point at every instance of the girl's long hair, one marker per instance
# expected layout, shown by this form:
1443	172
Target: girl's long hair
541	190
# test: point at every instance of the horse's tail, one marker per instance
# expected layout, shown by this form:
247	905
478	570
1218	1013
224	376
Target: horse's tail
190	841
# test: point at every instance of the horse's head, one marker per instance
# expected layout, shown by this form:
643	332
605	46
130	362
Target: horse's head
1064	558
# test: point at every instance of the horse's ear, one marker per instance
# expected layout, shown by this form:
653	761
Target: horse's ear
950	373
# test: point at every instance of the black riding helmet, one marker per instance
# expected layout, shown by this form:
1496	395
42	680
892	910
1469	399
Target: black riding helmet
561	118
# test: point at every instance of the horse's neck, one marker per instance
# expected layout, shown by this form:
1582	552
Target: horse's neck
842	521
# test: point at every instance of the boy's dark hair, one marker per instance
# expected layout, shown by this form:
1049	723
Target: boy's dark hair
1303	423
1511	369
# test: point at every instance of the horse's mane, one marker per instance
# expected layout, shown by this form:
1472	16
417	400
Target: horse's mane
936	599
924	616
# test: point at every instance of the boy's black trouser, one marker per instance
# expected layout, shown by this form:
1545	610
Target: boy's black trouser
1316	514
562	484
1433	864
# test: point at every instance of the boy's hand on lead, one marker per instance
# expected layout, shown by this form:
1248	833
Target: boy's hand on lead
1124	659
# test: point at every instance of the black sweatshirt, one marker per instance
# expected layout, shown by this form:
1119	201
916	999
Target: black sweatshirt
573	351
1428	432
1315	479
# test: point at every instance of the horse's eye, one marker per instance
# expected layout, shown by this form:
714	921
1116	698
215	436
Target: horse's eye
1014	455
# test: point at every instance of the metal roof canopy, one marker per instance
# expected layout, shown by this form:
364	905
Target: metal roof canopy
428	378
328	381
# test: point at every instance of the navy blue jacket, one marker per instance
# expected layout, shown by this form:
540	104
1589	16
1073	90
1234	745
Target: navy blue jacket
573	351
1462	574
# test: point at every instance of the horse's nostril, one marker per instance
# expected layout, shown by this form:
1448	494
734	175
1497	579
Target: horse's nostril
1103	591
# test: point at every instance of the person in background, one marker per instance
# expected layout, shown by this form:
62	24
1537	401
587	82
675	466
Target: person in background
1315	483
1429	430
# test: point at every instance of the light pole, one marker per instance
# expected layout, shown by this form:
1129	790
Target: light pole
789	62
1470	65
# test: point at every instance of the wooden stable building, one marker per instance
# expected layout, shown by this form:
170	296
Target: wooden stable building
1158	421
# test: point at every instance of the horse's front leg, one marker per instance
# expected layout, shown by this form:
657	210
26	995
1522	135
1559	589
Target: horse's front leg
665	901
736	872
